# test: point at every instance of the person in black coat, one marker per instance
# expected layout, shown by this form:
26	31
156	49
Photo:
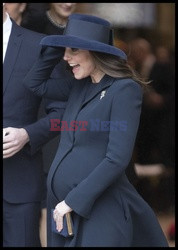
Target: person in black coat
87	177
23	137
49	20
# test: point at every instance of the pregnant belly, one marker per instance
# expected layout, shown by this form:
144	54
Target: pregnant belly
71	171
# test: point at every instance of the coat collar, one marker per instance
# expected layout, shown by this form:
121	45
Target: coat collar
104	83
85	94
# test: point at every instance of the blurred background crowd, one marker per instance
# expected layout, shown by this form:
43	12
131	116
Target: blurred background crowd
146	32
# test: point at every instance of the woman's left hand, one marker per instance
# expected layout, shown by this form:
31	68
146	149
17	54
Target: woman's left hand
60	210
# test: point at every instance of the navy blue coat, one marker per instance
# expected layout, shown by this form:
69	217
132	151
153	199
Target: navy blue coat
88	171
22	173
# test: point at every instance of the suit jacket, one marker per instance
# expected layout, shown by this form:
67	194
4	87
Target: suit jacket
22	173
88	171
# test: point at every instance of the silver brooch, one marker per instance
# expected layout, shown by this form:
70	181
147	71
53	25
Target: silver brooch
102	94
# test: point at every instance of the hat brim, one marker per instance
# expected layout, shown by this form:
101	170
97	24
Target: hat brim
81	43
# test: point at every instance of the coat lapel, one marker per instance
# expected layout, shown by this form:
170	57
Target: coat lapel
67	138
14	43
75	105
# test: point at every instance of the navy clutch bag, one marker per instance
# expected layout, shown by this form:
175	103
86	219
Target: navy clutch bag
67	230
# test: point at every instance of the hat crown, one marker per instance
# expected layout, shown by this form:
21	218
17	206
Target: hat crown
86	32
90	28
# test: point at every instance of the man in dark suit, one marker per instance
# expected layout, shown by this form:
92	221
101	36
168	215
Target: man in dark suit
23	136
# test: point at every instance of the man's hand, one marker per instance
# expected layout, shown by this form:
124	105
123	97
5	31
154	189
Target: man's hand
14	140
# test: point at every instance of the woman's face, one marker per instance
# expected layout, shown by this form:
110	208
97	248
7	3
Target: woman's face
82	64
63	9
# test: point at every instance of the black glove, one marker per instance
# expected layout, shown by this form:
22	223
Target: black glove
52	52
49	50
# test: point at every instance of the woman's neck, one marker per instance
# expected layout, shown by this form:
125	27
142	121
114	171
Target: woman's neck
55	18
97	76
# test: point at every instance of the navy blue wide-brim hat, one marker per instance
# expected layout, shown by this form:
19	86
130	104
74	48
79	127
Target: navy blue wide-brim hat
86	32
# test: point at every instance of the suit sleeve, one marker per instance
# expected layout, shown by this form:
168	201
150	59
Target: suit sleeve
126	107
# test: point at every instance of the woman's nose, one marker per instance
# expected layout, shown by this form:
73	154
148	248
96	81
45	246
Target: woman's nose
67	54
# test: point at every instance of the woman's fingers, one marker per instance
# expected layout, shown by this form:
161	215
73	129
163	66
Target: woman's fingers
59	223
59	220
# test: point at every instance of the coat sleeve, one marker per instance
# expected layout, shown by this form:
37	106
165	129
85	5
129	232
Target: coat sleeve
46	79
40	132
126	107
39	81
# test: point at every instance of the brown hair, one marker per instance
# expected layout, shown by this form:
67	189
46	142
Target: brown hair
116	67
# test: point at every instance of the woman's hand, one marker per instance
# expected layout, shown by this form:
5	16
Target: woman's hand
60	210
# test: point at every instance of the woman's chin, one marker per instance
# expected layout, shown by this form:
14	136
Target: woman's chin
77	77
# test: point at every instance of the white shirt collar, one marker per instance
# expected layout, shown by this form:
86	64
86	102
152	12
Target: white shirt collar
7	26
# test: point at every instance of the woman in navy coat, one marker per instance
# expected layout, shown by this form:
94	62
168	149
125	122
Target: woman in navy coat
98	130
